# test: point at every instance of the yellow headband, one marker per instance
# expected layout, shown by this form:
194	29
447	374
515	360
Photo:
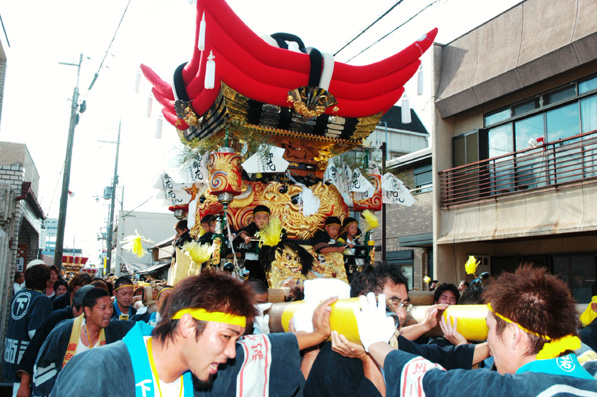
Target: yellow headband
261	212
219	317
124	286
553	348
160	292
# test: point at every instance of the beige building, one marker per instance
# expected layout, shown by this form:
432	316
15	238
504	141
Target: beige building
515	144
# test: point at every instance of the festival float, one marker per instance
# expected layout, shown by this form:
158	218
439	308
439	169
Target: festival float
263	117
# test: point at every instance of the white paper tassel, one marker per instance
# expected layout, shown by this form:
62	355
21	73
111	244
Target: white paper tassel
311	203
138	82
405	106
201	43
210	72
149	106
158	127
420	81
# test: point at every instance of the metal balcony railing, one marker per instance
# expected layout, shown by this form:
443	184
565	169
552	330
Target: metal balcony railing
561	163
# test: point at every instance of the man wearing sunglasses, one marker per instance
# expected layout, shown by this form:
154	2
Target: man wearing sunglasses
343	368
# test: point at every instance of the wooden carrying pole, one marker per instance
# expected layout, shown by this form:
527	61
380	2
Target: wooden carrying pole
471	318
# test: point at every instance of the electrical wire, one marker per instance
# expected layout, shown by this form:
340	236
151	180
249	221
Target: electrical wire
55	189
349	42
393	30
109	46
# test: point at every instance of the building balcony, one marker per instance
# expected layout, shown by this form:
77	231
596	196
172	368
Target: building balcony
556	165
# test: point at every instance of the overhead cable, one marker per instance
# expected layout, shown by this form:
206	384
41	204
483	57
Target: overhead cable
367	28
392	31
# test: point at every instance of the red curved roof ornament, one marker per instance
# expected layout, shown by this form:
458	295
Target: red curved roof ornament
267	74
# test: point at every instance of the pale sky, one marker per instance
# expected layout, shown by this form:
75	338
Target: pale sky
160	33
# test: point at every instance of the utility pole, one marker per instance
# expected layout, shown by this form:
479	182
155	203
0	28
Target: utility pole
111	217
67	164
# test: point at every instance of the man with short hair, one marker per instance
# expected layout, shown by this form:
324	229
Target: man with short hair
25	370
80	279
446	293
90	330
345	368
123	299
260	290
202	322
153	317
19	282
532	333
28	310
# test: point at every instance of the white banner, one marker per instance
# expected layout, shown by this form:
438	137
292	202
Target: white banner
394	191
331	174
197	170
359	183
172	192
266	160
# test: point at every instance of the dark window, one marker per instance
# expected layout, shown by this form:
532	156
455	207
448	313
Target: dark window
560	94
470	147
496	117
587	85
525	107
424	178
579	271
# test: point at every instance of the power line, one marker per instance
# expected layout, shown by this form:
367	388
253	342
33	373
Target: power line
109	46
367	28
392	31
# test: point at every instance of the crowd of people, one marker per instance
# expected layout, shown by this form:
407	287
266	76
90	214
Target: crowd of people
209	335
335	236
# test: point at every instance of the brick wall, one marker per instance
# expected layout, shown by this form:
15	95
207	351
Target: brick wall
407	221
12	175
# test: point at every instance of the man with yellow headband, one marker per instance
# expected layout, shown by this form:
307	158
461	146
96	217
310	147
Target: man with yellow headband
90	330
204	318
123	299
532	333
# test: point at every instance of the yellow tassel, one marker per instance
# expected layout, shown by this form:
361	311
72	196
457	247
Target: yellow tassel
199	253
471	265
589	314
271	234
134	244
371	220
201	232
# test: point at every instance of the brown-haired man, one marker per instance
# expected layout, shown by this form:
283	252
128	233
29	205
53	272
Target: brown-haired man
532	331
201	323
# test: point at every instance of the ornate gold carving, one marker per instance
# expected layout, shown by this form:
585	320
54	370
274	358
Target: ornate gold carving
310	102
287	266
296	224
190	117
294	221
